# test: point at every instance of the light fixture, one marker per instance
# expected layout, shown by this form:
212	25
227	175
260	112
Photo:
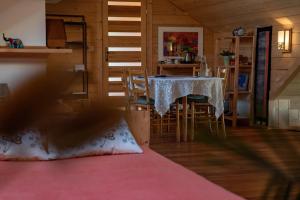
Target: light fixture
285	40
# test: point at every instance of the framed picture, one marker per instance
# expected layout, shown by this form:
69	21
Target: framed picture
243	81
174	41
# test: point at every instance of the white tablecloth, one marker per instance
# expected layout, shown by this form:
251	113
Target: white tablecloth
165	91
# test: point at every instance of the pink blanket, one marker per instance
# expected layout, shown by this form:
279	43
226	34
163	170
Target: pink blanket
148	176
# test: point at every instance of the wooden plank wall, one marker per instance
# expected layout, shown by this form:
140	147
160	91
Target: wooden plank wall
285	67
163	13
285	80
166	14
92	10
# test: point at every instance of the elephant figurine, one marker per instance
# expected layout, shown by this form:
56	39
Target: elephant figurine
13	43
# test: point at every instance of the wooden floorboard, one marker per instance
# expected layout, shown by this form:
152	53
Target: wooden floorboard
233	172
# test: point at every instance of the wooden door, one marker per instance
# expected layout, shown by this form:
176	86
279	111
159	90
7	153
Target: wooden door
124	42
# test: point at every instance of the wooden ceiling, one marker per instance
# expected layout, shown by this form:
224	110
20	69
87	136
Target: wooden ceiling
222	15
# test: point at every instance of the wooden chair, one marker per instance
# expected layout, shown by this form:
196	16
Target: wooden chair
137	87
202	111
223	72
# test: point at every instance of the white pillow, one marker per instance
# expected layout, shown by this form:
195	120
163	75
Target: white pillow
116	140
27	145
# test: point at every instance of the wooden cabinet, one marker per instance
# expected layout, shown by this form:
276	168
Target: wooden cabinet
183	69
239	93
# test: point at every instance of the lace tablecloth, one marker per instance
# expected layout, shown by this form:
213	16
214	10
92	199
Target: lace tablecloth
165	91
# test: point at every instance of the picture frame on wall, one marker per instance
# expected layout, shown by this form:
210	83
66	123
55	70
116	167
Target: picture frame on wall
243	81
174	41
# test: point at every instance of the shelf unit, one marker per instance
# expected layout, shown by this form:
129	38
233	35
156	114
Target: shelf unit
240	46
31	51
76	44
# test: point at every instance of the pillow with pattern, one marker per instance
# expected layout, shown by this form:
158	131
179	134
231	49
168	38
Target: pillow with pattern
116	140
27	145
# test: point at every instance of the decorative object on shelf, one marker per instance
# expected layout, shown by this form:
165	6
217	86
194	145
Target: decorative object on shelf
243	81
13	43
285	40
56	33
239	31
227	55
188	57
244	60
185	43
79	68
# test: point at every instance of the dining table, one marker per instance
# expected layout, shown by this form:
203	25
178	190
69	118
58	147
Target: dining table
166	89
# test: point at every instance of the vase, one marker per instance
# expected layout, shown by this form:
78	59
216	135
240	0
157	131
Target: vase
226	60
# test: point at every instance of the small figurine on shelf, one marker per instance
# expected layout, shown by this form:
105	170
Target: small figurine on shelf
13	43
239	31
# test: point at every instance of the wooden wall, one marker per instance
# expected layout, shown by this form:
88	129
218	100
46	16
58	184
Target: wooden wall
91	9
285	81
285	66
165	13
160	13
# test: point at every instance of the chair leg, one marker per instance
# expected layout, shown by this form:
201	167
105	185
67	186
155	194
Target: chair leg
161	125
177	122
217	126
209	113
223	126
169	121
193	121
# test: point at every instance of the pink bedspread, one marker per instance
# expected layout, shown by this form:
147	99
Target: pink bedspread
148	176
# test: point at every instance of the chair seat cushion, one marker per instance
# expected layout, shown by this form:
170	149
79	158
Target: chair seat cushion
143	101
198	98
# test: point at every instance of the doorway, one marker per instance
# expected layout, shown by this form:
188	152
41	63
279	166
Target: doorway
124	42
262	75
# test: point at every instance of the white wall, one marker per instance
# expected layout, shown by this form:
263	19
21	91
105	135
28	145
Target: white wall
24	19
285	110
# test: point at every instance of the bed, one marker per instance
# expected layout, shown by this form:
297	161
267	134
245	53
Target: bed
146	176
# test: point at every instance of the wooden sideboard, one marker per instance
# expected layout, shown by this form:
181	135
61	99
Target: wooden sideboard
184	68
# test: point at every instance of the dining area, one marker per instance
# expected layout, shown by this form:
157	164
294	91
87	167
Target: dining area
180	105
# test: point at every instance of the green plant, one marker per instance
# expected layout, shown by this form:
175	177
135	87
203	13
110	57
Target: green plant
226	53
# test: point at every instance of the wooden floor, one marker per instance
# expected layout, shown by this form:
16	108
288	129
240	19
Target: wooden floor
233	172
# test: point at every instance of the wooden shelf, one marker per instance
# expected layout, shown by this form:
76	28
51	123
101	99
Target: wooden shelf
231	118
241	66
241	38
239	92
246	49
31	51
178	65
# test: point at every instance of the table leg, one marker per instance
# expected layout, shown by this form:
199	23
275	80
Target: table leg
177	122
184	118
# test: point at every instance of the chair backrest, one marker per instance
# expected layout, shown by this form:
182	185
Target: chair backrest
138	84
223	72
197	70
200	69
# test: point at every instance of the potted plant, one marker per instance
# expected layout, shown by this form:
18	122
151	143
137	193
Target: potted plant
226	56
